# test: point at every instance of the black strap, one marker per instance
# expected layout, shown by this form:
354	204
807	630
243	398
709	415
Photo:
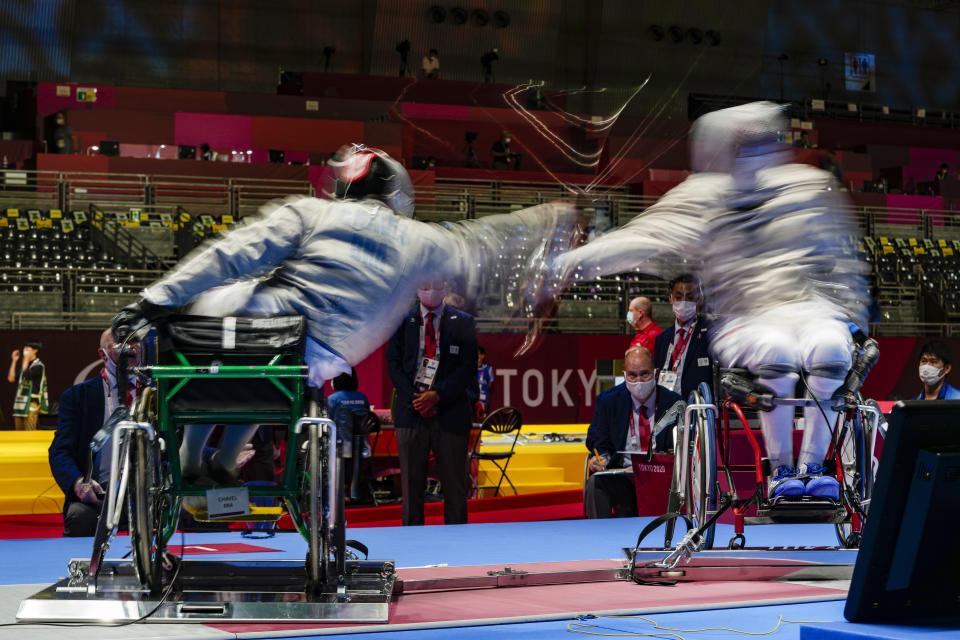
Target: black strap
653	524
359	546
647	530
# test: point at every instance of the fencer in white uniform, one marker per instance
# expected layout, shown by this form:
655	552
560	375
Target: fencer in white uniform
351	266
775	255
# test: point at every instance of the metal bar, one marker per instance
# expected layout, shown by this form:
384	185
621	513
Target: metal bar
267	491
511	578
176	389
314	537
225	371
333	466
239	417
753	440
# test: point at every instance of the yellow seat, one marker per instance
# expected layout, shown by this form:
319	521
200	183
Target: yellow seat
257	514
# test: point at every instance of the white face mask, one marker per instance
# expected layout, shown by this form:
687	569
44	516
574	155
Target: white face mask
641	390
684	310
930	375
430	298
630	317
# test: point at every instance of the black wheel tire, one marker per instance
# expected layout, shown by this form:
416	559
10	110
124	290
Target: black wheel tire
860	484
144	513
737	542
702	489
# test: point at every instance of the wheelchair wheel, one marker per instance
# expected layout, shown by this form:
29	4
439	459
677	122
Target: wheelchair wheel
856	462
676	499
702	492
145	512
326	543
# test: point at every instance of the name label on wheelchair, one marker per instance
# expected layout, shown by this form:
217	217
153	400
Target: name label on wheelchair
228	502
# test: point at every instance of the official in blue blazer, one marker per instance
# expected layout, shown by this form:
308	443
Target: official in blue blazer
609	432
436	415
82	411
697	366
683	361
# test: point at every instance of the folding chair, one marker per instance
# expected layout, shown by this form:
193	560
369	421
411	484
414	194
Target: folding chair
501	422
365	423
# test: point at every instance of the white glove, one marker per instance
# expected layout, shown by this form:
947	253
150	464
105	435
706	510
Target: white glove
89	493
246	455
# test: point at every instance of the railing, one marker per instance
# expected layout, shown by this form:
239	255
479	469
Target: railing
916	329
449	199
109	235
840	109
597	305
69	321
77	190
31	189
88	298
37	297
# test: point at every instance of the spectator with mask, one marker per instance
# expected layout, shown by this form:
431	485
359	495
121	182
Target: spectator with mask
84	409
640	317
681	352
31	380
935	364
63	139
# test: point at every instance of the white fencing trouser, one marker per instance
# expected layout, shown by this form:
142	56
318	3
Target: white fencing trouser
242	299
775	346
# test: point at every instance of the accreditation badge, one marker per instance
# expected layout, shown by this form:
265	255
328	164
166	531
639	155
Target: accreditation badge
668	380
426	372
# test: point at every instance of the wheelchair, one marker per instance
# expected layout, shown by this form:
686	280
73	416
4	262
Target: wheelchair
231	371
703	456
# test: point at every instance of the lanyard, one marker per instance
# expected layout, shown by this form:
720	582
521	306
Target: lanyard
676	363
635	429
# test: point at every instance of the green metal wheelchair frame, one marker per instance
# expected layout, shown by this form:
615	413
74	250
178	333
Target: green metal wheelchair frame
285	371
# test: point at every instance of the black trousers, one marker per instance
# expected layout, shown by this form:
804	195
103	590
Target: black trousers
80	520
450	449
610	496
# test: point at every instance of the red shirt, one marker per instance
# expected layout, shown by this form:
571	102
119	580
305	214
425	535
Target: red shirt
646	336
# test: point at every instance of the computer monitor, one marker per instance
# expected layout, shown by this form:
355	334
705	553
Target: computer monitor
909	559
109	148
186	152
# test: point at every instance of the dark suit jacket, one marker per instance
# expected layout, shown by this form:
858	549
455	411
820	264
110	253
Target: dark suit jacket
698	351
611	419
456	377
80	416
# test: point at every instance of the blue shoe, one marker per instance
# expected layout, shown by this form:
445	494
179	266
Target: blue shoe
785	483
819	485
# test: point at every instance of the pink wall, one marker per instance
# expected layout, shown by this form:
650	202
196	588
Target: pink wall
914	202
49	102
933	158
217	130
